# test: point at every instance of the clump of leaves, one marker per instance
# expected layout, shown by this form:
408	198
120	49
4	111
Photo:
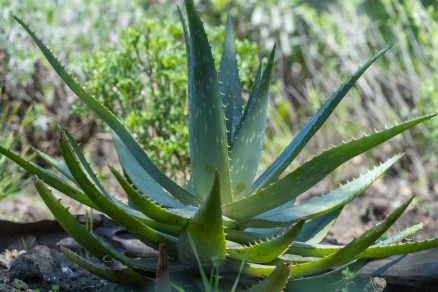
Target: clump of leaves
144	81
225	212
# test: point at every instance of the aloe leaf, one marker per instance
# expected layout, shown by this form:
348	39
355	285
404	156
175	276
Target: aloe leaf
248	139
352	249
310	173
229	82
162	279
58	165
206	230
108	117
340	257
147	206
126	277
49	178
207	135
310	128
275	282
106	203
315	230
81	235
327	280
269	250
142	180
391	246
323	204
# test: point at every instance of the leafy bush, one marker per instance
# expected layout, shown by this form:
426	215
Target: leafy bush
144	82
226	218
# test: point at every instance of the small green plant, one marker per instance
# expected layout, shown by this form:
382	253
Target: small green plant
225	214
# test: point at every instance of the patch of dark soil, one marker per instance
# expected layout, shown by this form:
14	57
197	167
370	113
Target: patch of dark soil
46	269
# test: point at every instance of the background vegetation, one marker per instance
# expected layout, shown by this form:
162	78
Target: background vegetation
131	56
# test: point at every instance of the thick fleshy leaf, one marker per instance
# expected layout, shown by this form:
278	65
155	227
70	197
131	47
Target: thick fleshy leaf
229	82
275	282
147	206
309	129
125	276
81	235
142	180
49	178
266	251
108	117
206	230
391	246
329	280
315	230
248	139
58	165
340	257
107	204
310	173
324	204
207	130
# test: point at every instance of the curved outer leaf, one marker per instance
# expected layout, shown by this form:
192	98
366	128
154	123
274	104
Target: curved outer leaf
342	256
126	277
311	172
113	122
147	206
206	230
58	165
207	130
141	179
315	230
309	129
275	282
80	234
269	250
107	204
49	178
248	139
386	248
330	280
229	82
323	204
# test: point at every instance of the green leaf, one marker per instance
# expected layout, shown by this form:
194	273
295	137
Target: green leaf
81	235
229	82
147	206
266	251
324	204
108	117
58	165
106	203
275	282
327	280
310	173
207	130
340	257
143	181
315	230
309	129
49	178
248	139
125	277
206	230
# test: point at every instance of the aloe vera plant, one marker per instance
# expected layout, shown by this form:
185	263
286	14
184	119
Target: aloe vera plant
224	218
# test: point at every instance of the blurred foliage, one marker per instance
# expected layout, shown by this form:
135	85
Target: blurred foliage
143	81
12	177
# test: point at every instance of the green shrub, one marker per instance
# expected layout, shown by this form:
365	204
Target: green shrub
143	81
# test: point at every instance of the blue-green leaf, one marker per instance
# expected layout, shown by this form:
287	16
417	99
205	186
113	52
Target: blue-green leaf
311	127
207	135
